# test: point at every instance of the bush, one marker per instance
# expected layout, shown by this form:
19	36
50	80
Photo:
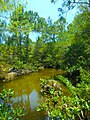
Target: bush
18	65
4	69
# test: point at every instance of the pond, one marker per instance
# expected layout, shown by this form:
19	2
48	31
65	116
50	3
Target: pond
27	92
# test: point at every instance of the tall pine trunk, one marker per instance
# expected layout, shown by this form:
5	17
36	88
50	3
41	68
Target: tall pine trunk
20	48
27	48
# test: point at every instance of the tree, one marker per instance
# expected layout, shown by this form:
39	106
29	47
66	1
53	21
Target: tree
70	4
5	5
79	51
18	24
31	26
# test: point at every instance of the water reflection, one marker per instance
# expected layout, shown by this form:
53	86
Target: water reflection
34	97
31	100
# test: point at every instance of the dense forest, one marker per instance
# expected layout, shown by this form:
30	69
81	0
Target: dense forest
59	45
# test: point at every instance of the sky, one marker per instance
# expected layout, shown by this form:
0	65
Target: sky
45	9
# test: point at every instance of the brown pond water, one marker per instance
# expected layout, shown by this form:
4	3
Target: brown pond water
27	92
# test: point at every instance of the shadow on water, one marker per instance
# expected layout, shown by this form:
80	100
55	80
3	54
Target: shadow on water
27	92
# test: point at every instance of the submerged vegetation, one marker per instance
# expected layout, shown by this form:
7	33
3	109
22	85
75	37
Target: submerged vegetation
59	46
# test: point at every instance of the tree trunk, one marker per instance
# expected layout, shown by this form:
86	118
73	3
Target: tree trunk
89	6
27	49
20	52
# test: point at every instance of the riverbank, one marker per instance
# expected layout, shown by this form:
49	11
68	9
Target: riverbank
12	74
8	73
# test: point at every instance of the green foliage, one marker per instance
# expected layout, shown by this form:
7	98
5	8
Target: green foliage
56	47
18	65
4	68
67	83
7	112
6	5
43	81
85	76
79	52
84	85
51	91
75	106
77	55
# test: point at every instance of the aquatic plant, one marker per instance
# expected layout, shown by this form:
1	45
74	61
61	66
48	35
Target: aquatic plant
7	112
